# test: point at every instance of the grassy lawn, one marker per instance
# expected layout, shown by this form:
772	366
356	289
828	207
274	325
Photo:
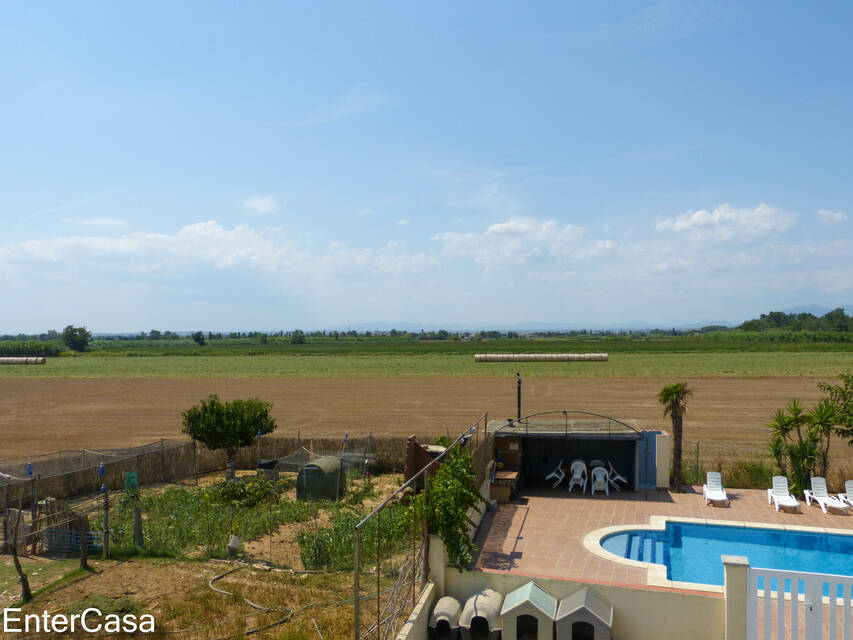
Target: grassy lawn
435	365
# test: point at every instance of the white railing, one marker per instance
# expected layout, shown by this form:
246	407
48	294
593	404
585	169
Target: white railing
795	594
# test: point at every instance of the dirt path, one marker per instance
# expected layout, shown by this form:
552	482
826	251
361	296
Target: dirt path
38	416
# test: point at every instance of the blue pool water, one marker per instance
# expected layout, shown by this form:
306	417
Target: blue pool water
691	552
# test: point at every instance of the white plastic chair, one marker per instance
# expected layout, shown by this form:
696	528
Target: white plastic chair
599	481
614	476
579	475
713	490
557	473
819	494
847	496
780	496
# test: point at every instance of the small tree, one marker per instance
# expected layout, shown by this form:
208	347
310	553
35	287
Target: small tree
297	337
674	397
841	397
76	338
228	425
198	337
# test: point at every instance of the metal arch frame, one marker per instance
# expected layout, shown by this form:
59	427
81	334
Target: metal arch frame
524	419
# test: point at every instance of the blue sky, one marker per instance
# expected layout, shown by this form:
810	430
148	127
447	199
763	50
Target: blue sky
272	166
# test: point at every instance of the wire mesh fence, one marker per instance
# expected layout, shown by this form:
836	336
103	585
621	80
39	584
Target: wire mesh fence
390	548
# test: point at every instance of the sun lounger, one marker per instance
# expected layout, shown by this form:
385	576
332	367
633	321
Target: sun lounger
847	496
780	496
557	473
818	494
713	490
579	475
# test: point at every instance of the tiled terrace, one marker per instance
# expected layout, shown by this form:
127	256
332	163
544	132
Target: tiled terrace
542	533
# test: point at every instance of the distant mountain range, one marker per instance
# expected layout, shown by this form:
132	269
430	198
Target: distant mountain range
817	310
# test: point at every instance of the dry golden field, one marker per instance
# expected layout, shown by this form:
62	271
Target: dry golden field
39	416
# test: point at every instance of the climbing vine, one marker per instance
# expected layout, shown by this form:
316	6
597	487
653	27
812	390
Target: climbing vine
450	494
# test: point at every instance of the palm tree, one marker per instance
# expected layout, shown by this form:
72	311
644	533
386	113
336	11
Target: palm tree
780	427
674	397
821	420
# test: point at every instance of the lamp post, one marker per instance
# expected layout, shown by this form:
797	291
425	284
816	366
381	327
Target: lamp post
518	375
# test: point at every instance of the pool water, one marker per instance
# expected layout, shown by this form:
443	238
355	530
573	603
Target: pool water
691	552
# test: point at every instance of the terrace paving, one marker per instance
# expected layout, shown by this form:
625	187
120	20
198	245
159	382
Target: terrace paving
542	533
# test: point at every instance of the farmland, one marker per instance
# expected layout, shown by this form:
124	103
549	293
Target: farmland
434	364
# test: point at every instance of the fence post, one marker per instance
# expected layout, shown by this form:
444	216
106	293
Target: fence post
698	470
33	496
5	518
163	458
355	585
195	464
106	524
737	596
83	529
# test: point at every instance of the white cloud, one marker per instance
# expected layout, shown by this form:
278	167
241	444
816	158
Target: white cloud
728	223
355	102
209	244
261	204
517	240
108	223
831	217
402	222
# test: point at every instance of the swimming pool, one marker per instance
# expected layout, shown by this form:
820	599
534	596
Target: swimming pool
691	552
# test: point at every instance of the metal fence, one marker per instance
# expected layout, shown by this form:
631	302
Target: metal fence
391	549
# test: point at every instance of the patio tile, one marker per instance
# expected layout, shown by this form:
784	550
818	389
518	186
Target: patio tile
543	533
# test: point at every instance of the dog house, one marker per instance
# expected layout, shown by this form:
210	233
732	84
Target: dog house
584	615
323	478
481	616
444	621
528	614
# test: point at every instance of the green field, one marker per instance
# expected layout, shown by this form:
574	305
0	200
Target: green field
433	365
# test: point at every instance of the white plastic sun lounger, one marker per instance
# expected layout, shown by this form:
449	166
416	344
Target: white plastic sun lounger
713	490
818	494
780	496
578	469
847	496
557	473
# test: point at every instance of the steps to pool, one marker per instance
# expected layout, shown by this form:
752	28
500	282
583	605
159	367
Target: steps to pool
639	546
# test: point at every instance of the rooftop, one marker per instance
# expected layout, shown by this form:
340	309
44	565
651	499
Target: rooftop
565	424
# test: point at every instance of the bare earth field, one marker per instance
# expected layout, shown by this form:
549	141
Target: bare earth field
39	416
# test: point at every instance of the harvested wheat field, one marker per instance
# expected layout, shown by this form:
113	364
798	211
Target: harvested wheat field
38	416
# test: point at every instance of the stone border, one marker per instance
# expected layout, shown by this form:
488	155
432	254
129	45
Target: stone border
656	573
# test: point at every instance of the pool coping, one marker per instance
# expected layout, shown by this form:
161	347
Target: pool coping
656	573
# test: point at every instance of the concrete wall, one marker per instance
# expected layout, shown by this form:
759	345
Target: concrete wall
638	613
417	624
663	454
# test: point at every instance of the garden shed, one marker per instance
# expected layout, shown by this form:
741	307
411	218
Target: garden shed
323	478
528	614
